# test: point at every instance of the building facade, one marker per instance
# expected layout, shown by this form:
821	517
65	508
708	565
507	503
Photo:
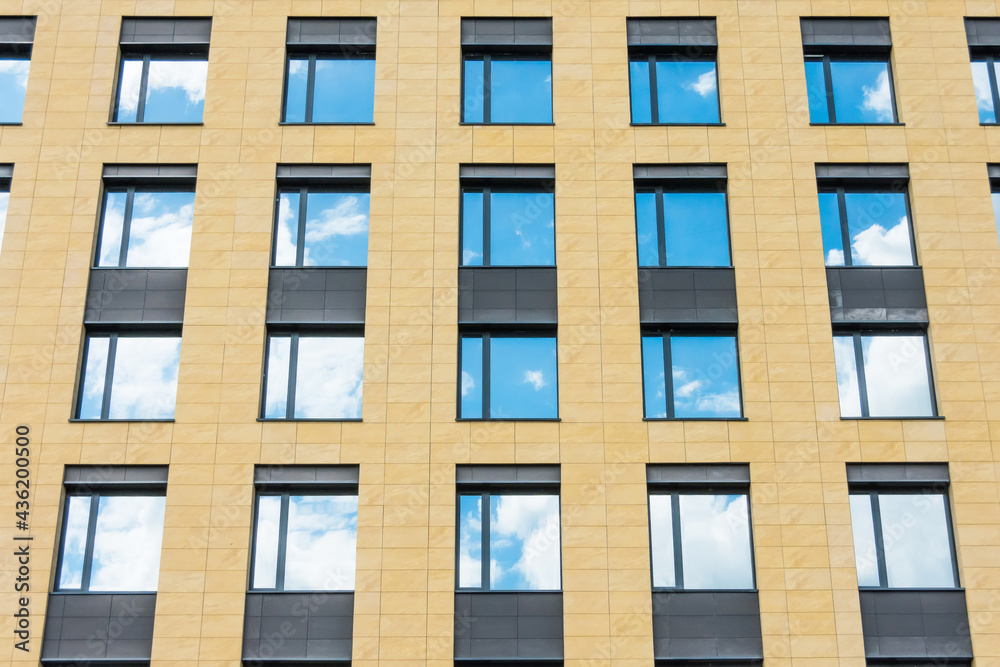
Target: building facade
429	332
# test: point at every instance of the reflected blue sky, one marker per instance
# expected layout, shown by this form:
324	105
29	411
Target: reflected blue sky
175	91
863	529
696	230
296	91
470	541
74	546
344	90
847	376
642	108
897	378
686	91
159	233
661	537
996	210
523	379
522	229
877	224
471	406
861	92
816	89
336	229
715	542
474	90
984	93
328	382
520	90
472	228
14	84
704	377
524	542
646	231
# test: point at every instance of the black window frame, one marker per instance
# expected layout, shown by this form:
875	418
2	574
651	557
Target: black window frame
873	186
990	58
312	54
705	53
675	491
829	54
500	186
17	43
856	334
147	53
680	186
485	490
486	335
113	333
304	188
95	493
874	490
130	189
487	55
665	334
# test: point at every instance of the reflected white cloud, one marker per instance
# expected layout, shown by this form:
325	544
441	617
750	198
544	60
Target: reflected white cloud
915	536
533	522
329	377
728	402
288	220
74	542
848	388
265	555
715	542
276	393
704	85
876	246
127	543
981	81
321	549
878	98
144	383
835	257
863	528
347	218
470	562
661	532
159	240
535	378
896	376
187	75
468	383
18	71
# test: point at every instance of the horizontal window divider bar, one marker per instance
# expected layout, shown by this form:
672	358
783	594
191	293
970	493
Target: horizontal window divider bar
507	487
867	124
69	592
902	419
677	124
154	48
696	419
321	329
689	328
849	51
125	269
510	329
481	591
503	419
135	329
285	122
704	590
331	51
880	328
152	124
877	589
509	266
509	124
309	420
76	420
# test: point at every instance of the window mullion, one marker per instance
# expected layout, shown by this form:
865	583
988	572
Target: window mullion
487	226
831	109
675	520
88	550
109	373
859	361
654	101
140	111
279	576
293	369
300	242
883	577
126	227
310	87
486	377
661	229
487	97
668	375
485	555
845	233
991	72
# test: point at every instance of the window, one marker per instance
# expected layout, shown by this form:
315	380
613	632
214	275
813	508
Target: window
330	71
163	70
984	47
507	71
129	376
994	171
903	538
700	540
111	540
673	72
866	226
313	376
304	541
321	225
6	172
884	374
681	224
509	222
703	371
507	376
508	539
17	34
848	77
145	226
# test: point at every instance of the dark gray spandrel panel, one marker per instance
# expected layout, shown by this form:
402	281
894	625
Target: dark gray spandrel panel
908	473
332	31
312	626
76	476
924	625
677	296
331	172
983	31
671	32
877	294
307	295
864	171
166	31
136	295
846	32
507	32
17	29
99	626
507	295
506	474
706	625
508	626
306	474
678	171
542	172
697	474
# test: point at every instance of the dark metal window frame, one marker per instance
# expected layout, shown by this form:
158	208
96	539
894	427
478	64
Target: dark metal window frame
990	58
342	52
871	187
675	491
304	190
827	56
150	490
285	491
665	335
862	377
652	55
486	336
147	54
487	56
113	334
130	191
679	186
874	490
499	186
485	490
295	333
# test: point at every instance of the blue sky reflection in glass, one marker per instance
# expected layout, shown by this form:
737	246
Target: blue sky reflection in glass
862	92
687	91
321	549
704	377
175	91
984	91
336	229
523	380
522	229
878	227
159	232
14	84
520	91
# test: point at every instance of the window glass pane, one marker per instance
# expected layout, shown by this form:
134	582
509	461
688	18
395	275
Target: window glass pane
865	554
524	543
816	89
654	378
472	378
915	537
287	233
160	233
94	375
74	542
647	235
896	376
472	229
984	94
661	536
523	378
295	93
715	542
696	228
175	92
128	90
265	553
336	229
475	89
328	378
470	542
127	543
14	83
345	91
686	92
705	376
996	210
638	73
833	236
522	229
861	92
276	391
879	229
848	387
4	201
322	543
144	382
520	91
111	229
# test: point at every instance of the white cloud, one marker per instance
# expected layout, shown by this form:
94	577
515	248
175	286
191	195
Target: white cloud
347	218
329	378
847	376
468	383
687	388
4	199
163	240
322	543
662	540
981	81
896	376
18	70
535	378
296	67
188	75
715	540
470	567
284	246
534	520
145	378
469	256
704	85
877	247
879	98
265	557
127	543
835	257
728	402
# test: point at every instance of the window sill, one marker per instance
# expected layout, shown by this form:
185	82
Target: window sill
269	591
12	124
77	420
550	124
347	123
995	124
658	589
677	124
60	592
508	419
857	124
144	124
507	266
332	420
907	590
696	419
892	419
514	590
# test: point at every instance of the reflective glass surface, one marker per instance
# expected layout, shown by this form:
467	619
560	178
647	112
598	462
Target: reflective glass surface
329	377
862	92
522	229
470	542
705	377
646	229
638	74
344	90
297	90
4	201
878	227
472	228
175	91
984	92
996	210
917	545
523	380
472	378
265	555
524	542
474	91
276	387
336	229
94	376
696	228
521	91
863	527
144	381
128	90
654	378
715	542
74	547
816	89
847	376
127	543
897	376
321	548
14	84
661	531
686	91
